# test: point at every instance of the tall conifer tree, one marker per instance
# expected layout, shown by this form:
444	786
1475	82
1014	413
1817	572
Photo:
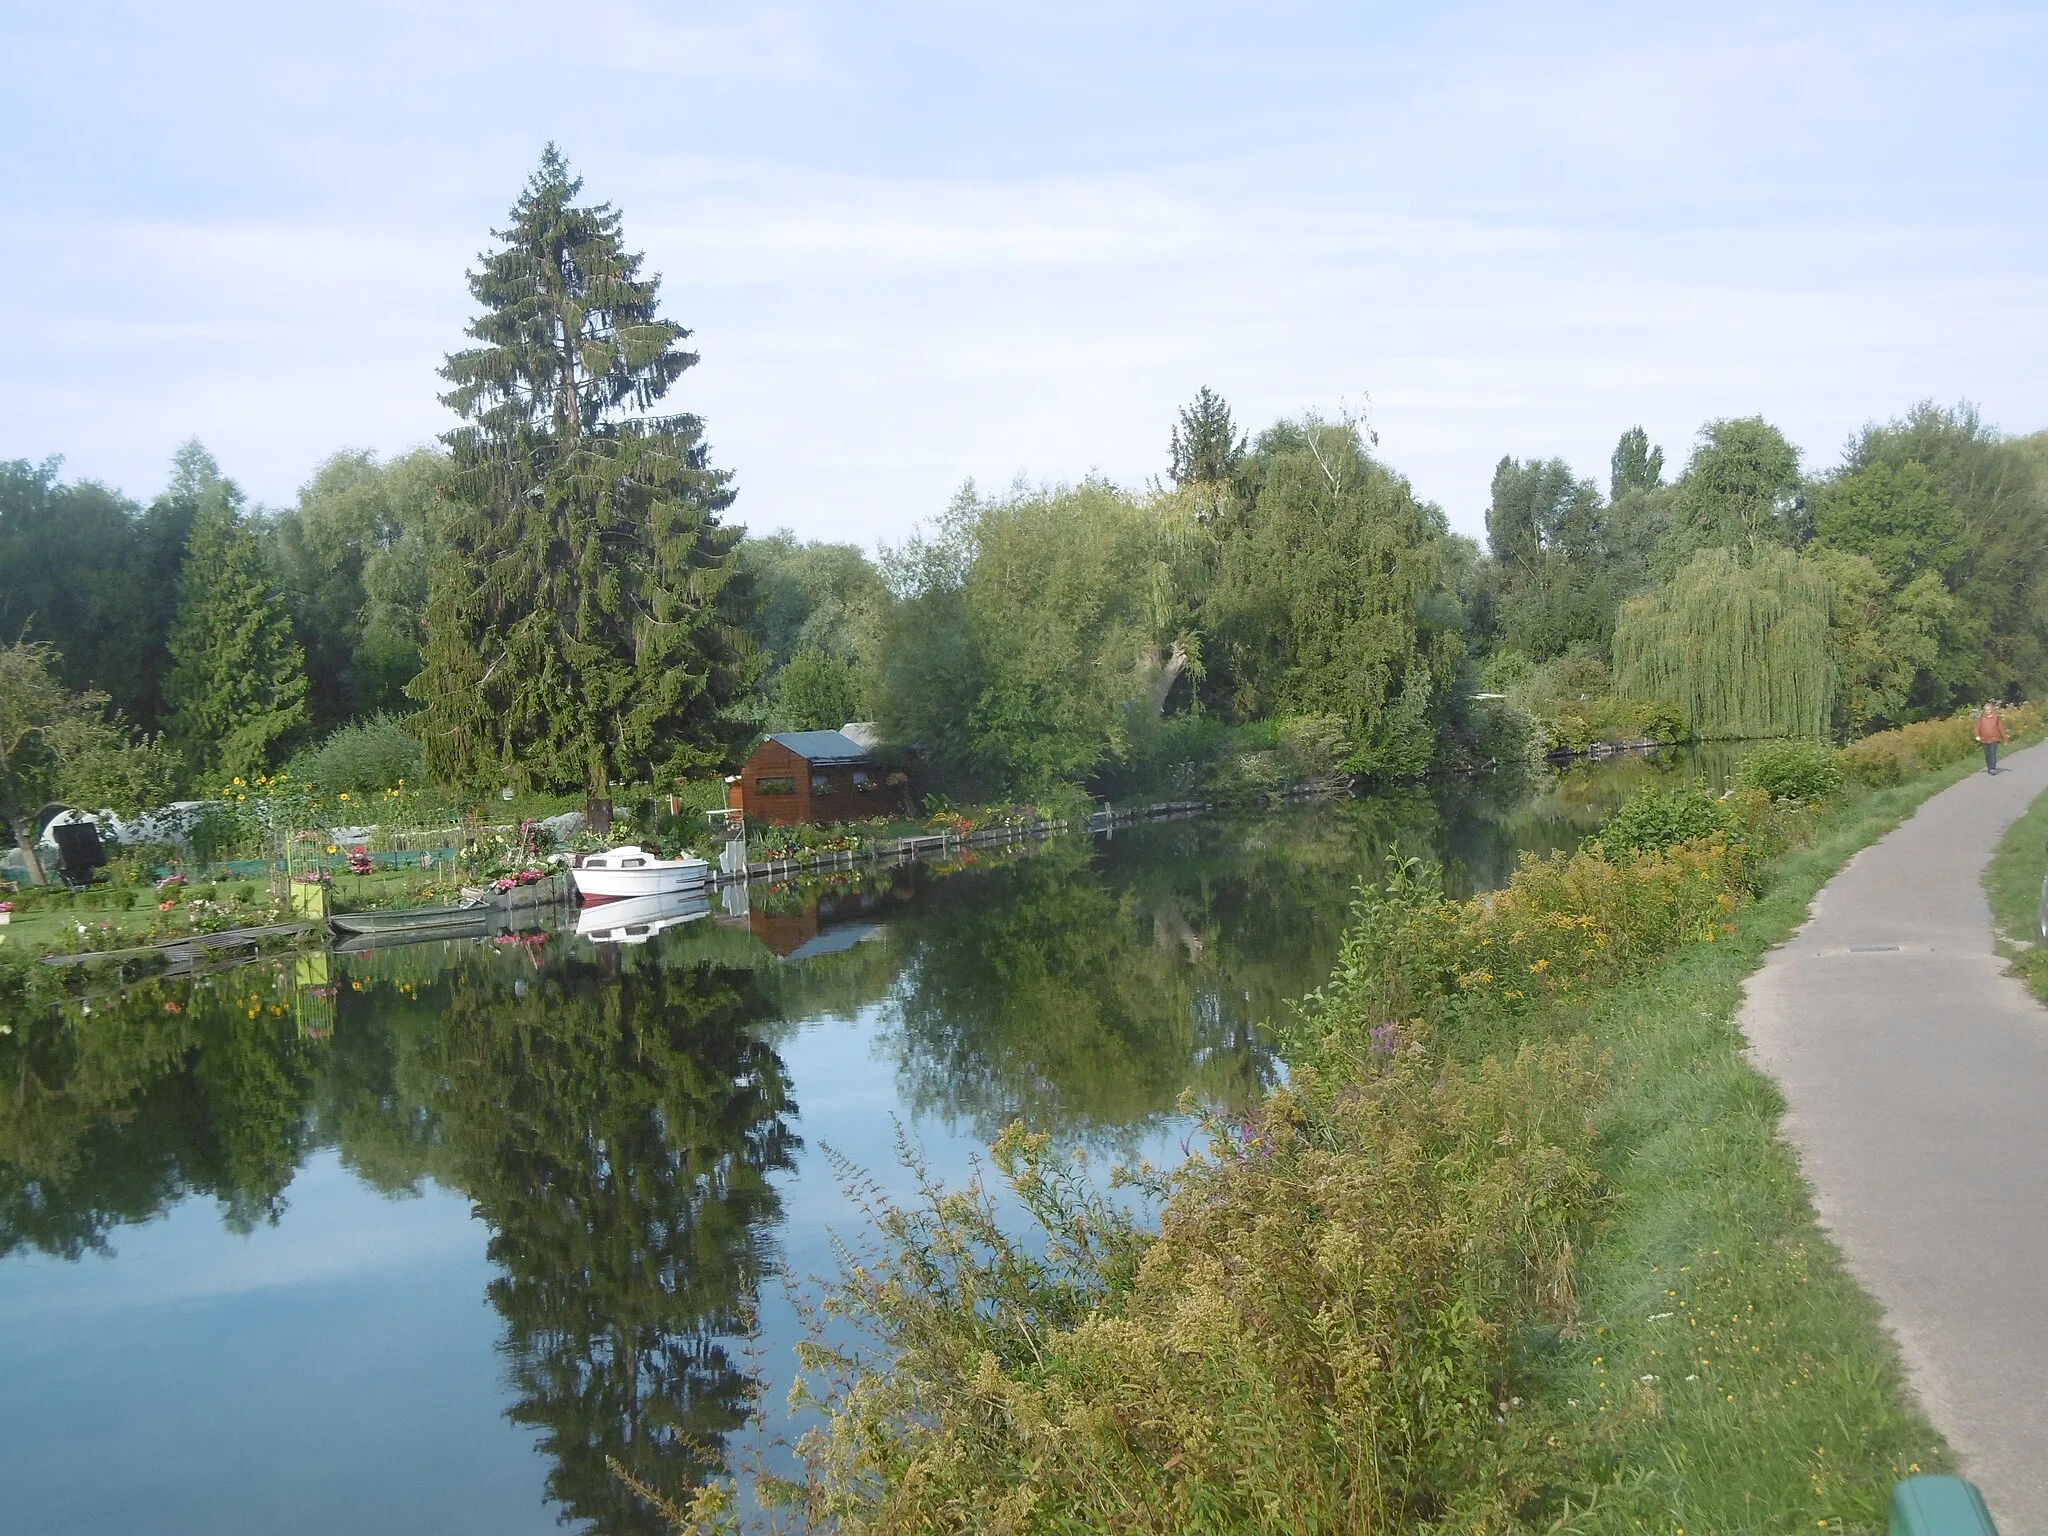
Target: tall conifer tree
588	619
237	687
1205	445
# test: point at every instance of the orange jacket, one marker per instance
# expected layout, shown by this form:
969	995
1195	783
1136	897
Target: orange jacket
1990	726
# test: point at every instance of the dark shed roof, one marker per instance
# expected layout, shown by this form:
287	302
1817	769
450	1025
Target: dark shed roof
821	746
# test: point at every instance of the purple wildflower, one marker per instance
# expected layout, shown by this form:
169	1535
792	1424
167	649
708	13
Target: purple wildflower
1384	1038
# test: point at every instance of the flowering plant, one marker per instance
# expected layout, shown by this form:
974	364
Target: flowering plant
359	860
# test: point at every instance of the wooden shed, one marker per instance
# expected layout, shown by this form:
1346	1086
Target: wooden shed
809	776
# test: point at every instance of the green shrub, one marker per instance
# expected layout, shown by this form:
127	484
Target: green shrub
1316	747
1651	820
1574	725
1181	756
1561	925
1506	668
1316	1339
1505	736
363	758
1805	772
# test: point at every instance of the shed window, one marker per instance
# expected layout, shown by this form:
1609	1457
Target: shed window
821	784
775	786
863	781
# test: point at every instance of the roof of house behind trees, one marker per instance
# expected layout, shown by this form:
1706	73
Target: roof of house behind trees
821	746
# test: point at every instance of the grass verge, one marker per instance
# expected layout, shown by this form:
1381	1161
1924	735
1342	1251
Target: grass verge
2013	882
1727	1375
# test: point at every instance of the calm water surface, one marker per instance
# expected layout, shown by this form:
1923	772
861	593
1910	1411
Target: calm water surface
415	1244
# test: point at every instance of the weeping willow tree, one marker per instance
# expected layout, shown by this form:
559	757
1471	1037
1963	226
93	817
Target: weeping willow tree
1740	647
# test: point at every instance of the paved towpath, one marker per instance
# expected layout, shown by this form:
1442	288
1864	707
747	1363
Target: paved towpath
1917	1075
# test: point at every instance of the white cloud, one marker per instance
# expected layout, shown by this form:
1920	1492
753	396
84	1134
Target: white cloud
931	242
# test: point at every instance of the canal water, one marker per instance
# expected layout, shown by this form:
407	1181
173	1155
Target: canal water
413	1241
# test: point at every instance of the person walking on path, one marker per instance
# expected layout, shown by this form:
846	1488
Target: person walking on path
1990	734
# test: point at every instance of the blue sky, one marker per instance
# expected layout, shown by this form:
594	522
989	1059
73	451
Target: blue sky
922	242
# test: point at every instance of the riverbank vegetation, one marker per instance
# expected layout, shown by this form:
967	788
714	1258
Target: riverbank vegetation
1517	1245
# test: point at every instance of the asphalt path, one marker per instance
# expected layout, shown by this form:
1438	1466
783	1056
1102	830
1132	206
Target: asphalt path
1916	1072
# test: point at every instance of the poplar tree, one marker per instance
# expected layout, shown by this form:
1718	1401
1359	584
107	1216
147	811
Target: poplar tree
237	687
587	619
1635	465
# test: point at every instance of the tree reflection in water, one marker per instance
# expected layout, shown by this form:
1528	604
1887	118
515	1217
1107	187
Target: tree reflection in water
1086	989
616	1125
158	1094
614	1121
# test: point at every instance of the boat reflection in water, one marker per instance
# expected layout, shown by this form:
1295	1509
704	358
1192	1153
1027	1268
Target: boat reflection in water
636	919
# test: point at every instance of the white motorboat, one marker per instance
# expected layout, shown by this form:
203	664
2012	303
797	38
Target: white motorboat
636	919
633	871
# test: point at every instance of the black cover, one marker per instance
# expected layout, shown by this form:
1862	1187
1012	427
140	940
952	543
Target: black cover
79	851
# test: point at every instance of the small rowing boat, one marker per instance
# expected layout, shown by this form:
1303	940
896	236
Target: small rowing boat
633	871
413	920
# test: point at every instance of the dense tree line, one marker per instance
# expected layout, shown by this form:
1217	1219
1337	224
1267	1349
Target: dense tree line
554	598
1902	583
